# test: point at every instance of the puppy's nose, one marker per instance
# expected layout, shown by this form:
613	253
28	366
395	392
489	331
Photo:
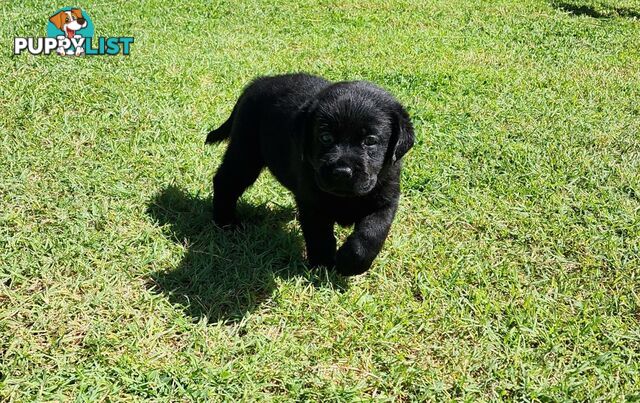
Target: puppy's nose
342	173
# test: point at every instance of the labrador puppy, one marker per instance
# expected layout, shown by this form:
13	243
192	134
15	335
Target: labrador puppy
336	146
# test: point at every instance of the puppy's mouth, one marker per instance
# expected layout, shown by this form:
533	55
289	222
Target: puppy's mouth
71	28
351	191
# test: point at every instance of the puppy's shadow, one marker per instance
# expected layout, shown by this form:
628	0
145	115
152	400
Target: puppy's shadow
226	274
579	9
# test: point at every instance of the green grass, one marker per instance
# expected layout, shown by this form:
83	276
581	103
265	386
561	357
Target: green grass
512	270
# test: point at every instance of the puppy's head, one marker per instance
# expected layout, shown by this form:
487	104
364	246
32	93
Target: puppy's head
352	133
69	21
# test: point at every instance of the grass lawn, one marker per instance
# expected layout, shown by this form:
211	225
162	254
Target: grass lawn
512	270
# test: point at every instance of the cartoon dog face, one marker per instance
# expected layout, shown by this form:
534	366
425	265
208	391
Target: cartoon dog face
69	21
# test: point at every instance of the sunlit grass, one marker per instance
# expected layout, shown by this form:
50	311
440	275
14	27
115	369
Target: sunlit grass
512	270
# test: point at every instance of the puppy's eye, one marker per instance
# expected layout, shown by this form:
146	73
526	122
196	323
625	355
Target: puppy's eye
370	140
326	138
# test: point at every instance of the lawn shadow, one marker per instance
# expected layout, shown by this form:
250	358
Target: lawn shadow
227	273
606	12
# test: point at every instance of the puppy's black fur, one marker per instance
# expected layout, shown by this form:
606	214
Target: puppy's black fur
336	146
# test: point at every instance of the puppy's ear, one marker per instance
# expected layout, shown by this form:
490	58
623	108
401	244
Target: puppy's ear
58	19
402	136
303	124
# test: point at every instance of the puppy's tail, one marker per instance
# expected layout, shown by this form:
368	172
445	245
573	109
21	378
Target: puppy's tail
222	132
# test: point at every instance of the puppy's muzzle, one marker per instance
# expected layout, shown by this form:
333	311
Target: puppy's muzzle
338	176
342	180
342	174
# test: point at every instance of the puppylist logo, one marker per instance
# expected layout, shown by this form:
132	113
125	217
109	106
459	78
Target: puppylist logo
70	31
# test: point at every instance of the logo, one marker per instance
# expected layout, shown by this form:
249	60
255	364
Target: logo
70	32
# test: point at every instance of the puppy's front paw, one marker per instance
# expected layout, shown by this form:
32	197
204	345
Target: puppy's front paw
352	259
225	220
327	262
224	214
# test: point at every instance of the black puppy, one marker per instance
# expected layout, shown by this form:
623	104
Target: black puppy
337	147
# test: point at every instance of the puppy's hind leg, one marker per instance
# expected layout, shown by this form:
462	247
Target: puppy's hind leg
241	166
